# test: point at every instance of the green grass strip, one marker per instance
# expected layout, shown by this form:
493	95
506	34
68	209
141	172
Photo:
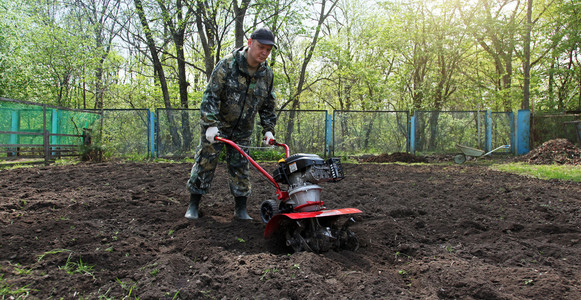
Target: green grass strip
560	172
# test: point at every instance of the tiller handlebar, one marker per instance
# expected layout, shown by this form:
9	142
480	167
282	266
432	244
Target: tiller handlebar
282	195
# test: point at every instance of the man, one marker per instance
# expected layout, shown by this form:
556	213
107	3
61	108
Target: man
241	85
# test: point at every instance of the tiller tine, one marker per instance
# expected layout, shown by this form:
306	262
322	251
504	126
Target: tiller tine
316	231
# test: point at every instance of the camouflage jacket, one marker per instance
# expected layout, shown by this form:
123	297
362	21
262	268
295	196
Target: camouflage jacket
233	97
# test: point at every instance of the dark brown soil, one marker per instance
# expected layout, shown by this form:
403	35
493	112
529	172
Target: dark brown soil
426	232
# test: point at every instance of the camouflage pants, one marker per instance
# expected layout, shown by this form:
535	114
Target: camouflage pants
206	160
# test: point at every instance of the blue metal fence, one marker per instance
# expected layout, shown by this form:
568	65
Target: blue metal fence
441	131
126	132
30	131
369	132
176	133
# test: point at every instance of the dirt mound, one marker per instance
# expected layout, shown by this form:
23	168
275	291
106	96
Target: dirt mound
557	151
394	157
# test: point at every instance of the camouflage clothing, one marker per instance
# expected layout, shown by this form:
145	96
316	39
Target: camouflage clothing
206	159
229	88
230	102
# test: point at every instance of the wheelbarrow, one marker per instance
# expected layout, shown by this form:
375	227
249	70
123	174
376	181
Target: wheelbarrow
473	152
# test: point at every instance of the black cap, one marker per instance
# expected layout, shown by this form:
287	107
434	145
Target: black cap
264	36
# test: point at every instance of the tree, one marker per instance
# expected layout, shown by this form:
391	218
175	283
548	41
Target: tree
13	71
326	8
177	28
564	71
158	68
210	15
495	29
101	16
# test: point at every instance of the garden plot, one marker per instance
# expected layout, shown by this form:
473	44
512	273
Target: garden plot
116	230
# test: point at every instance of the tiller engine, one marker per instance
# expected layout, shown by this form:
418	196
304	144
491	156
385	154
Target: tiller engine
299	216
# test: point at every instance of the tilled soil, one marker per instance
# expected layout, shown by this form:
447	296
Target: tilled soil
116	230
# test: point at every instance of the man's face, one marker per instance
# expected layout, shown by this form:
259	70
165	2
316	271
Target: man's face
257	52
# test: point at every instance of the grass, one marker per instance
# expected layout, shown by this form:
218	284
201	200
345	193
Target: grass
11	291
73	267
11	165
547	172
20	270
269	154
56	251
127	286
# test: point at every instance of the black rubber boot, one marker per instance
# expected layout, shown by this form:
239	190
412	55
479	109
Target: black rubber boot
240	209
192	212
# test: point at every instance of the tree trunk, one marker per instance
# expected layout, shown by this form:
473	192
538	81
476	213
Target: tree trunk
368	130
158	69
291	123
434	117
527	57
207	33
239	14
99	86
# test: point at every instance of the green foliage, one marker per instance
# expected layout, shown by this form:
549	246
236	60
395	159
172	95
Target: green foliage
370	132
389	55
266	155
93	153
124	132
11	69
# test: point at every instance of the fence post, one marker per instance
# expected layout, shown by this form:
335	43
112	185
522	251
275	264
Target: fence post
413	134
523	129
46	142
15	126
152	133
488	134
54	130
512	133
328	134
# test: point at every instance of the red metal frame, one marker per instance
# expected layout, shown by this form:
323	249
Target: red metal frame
282	195
287	150
309	203
274	223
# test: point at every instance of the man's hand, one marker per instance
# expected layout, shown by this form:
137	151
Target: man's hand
211	133
268	138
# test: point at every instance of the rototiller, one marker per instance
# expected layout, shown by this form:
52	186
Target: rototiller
300	216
